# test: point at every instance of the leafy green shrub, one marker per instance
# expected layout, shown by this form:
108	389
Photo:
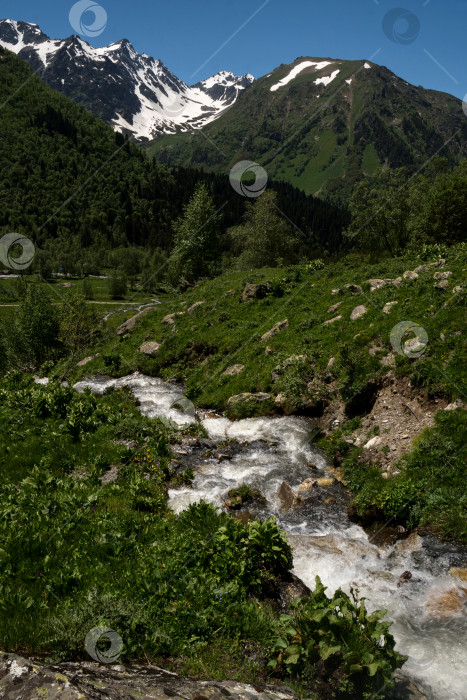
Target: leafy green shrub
432	251
314	265
335	643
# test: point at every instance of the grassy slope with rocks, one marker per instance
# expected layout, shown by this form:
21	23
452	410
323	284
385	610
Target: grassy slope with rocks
203	341
324	139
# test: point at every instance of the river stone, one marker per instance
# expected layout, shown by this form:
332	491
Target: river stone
307	484
325	481
233	370
20	678
387	307
358	312
130	324
280	326
458	573
448	603
331	320
287	497
150	348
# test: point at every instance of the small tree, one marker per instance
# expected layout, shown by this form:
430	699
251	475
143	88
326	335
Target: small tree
196	243
34	335
379	208
78	325
117	284
87	289
265	238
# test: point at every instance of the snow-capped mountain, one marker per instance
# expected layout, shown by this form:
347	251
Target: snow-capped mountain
132	92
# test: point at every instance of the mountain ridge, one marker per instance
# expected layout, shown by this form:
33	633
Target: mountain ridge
134	93
323	124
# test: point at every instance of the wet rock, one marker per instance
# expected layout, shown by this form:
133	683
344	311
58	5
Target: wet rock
280	326
325	481
403	578
244	517
290	588
405	688
130	324
234	503
445	604
150	348
25	679
358	312
332	320
233	370
223	457
307	484
287	497
195	306
459	573
255	291
387	307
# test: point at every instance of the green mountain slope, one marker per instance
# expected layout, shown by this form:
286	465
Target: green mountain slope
322	137
67	179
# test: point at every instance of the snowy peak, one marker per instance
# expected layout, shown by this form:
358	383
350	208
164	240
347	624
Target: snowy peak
132	92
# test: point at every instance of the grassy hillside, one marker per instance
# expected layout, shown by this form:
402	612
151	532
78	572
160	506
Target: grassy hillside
323	139
212	329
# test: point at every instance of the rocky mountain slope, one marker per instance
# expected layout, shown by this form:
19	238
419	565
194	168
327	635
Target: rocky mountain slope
322	124
133	92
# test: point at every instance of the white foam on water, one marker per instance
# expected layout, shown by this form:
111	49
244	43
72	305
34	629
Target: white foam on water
343	556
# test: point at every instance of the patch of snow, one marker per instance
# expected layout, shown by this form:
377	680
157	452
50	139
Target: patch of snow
349	82
367	65
297	70
327	79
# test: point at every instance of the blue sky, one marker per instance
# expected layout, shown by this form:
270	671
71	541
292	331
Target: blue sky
425	41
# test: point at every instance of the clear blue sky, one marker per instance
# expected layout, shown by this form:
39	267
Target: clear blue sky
185	34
